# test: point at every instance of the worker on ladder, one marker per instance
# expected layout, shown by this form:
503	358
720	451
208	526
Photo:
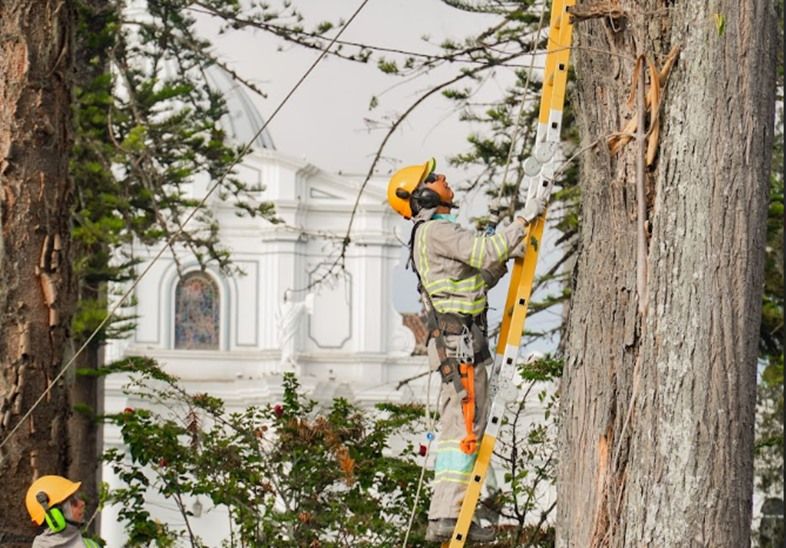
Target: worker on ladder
455	268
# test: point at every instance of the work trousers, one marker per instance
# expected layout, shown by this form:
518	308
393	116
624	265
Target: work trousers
453	467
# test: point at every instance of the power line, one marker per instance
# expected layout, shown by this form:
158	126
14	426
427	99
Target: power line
174	236
520	115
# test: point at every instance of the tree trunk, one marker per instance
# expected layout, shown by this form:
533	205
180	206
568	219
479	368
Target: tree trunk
659	384
84	430
36	289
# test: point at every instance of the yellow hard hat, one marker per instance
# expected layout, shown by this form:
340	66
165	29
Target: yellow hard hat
57	489
404	182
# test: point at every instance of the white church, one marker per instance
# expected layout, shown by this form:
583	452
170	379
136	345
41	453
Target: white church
235	336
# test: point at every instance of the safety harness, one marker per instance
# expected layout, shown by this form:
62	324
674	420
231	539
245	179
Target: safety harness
456	367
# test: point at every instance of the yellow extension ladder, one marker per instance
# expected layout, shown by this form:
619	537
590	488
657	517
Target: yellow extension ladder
539	170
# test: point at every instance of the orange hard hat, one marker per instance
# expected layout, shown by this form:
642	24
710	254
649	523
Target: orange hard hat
57	489
404	182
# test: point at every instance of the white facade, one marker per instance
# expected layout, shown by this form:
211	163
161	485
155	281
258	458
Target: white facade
353	328
351	342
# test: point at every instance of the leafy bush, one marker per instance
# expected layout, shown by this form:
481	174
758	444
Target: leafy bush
291	474
288	474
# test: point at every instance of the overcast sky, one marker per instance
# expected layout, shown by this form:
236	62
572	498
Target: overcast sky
328	120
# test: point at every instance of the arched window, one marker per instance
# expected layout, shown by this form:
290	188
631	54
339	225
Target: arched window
196	312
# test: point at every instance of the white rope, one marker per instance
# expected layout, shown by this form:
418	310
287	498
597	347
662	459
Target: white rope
520	115
430	436
177	233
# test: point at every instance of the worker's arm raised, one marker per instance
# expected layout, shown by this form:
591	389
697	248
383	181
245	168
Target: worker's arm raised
477	250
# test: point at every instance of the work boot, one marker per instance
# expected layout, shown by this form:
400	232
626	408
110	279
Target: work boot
440	530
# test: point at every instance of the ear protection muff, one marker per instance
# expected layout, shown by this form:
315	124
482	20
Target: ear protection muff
54	517
421	198
426	198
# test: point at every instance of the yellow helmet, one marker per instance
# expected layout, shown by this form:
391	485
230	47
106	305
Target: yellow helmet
57	489
404	182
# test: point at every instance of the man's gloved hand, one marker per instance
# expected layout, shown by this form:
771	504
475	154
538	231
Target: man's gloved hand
534	207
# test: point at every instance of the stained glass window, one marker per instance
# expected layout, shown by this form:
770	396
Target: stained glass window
196	312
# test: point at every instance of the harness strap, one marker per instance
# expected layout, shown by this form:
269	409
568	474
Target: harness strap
12	537
460	375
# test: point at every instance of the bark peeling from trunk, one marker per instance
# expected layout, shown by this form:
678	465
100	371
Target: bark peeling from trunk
657	410
36	288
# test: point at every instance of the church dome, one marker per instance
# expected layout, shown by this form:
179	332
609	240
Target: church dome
242	120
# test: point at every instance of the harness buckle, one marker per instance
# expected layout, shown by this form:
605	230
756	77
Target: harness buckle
464	352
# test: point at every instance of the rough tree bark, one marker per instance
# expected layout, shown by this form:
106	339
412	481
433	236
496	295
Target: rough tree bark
659	384
36	289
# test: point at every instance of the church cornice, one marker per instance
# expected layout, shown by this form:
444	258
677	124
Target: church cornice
235	355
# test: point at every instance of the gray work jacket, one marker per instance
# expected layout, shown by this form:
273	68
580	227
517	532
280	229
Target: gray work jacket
457	266
70	537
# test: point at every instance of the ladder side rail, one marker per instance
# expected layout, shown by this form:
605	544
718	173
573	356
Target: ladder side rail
557	7
504	328
506	388
547	142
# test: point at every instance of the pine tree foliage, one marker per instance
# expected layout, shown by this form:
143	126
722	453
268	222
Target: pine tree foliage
149	125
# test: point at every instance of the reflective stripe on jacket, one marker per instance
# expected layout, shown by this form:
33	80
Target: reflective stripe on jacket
453	263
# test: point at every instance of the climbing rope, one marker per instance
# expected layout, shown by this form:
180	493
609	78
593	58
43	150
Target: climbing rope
520	115
172	239
430	423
